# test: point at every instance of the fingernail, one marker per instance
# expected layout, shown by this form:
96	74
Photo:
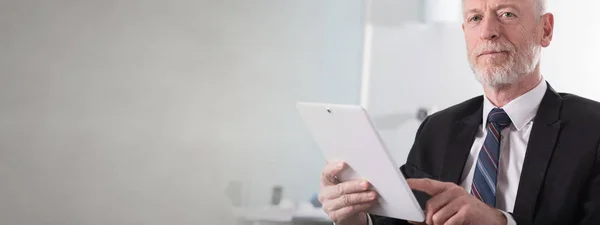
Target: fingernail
364	184
372	195
340	165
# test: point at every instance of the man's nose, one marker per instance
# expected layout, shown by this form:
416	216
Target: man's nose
490	29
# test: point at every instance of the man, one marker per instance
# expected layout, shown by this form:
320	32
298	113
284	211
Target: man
520	154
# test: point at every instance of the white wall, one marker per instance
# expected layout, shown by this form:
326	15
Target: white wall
570	63
138	112
449	11
414	66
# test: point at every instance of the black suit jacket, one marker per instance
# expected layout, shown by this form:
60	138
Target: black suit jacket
560	179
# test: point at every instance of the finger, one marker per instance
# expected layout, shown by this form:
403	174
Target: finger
347	211
348	187
437	202
330	171
446	212
351	199
458	218
429	186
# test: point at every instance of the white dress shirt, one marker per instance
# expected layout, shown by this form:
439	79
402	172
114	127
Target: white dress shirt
513	146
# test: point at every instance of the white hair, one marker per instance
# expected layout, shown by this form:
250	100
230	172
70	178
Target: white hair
540	6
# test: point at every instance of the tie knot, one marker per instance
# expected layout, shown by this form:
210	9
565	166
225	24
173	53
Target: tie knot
499	116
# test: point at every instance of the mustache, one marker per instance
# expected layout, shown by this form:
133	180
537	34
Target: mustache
490	47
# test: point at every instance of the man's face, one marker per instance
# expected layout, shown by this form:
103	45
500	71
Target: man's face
504	39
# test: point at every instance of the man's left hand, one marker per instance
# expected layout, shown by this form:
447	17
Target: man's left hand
452	205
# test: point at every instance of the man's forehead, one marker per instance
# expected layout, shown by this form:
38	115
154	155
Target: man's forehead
486	4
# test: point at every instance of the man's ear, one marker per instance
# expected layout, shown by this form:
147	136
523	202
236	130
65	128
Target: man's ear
548	29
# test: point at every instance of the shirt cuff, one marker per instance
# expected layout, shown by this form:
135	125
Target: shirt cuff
509	219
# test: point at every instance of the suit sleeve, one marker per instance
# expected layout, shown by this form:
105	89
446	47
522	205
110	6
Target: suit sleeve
409	172
591	200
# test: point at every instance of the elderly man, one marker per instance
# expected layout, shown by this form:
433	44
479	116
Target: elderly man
520	154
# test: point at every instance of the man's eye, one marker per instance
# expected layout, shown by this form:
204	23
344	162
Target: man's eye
475	18
508	14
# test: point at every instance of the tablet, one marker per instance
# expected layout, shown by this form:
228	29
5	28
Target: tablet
346	133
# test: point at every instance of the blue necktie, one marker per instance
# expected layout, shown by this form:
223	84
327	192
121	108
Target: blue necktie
484	181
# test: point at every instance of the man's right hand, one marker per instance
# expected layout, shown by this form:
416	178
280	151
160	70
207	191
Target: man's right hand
345	203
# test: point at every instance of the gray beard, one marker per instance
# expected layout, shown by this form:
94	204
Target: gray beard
513	71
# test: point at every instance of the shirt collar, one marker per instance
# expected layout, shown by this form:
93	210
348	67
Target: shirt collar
521	110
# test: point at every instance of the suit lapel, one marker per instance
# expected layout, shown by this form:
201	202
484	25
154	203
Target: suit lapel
542	140
463	135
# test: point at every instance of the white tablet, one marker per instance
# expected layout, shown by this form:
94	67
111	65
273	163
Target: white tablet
346	133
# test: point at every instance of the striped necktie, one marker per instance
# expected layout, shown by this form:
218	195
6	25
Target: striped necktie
486	169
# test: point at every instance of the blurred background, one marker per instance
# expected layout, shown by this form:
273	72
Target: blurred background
183	112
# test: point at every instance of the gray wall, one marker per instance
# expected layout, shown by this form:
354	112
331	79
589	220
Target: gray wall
304	51
394	12
139	112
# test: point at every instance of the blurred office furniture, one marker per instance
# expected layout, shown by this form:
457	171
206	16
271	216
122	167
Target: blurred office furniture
303	214
234	192
395	119
314	200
